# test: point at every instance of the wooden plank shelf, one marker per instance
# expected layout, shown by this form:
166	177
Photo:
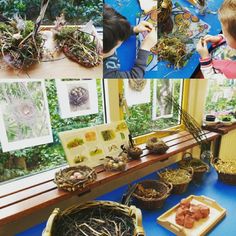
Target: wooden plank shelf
25	196
220	128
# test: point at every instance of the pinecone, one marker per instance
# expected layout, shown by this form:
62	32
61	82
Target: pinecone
164	9
78	96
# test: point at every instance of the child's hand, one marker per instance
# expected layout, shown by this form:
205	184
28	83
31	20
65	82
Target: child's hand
212	39
143	26
150	41
202	48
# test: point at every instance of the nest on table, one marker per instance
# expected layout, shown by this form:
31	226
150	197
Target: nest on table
75	178
20	46
173	50
79	46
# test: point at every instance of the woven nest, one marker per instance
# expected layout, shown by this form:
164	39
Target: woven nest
137	84
164	9
79	46
20	48
95	218
75	178
173	50
179	178
199	166
134	152
151	194
157	146
226	170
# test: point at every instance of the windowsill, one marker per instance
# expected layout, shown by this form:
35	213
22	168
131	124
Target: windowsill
27	196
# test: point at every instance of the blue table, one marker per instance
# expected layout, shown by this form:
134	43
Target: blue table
224	194
127	52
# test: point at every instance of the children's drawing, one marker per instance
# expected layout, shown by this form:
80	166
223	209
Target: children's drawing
77	97
24	114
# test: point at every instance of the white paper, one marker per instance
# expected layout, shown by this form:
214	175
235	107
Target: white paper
67	108
24	120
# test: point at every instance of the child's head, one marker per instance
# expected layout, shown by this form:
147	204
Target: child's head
227	16
116	29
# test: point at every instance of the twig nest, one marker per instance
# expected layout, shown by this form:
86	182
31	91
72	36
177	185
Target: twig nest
164	9
116	163
74	178
157	146
134	152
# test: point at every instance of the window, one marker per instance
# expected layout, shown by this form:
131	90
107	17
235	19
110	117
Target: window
221	97
75	11
154	114
39	158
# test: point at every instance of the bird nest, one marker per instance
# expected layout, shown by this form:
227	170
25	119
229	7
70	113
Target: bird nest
173	50
164	9
95	218
75	178
20	45
78	46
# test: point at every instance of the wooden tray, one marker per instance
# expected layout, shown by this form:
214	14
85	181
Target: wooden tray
200	227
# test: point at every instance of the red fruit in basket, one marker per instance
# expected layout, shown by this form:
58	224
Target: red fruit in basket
188	221
205	211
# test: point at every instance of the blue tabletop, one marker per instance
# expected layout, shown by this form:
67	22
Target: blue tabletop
225	195
127	52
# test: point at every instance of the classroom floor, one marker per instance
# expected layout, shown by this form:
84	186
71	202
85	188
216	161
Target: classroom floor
223	194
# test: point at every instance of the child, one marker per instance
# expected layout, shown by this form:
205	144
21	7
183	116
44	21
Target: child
222	60
116	29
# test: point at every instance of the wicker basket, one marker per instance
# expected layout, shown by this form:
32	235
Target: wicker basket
199	166
64	181
58	219
153	203
180	187
228	178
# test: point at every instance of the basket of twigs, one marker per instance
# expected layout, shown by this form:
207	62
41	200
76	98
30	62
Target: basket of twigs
156	146
74	178
179	178
199	166
226	170
96	218
151	194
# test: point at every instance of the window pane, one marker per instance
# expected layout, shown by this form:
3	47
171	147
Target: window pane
221	97
75	11
40	158
153	116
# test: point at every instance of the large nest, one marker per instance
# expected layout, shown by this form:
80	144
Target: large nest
172	49
20	45
79	46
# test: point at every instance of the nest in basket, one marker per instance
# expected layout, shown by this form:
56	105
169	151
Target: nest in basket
179	178
75	178
96	218
21	45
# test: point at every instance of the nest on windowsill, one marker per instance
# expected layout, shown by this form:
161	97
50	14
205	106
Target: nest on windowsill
20	45
173	50
79	46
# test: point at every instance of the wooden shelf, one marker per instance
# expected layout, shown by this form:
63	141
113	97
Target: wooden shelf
220	128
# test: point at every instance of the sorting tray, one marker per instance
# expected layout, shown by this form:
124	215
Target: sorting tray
200	227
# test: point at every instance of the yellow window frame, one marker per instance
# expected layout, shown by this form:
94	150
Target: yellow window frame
161	133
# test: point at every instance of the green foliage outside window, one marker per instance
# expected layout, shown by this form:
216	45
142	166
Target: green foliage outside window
44	157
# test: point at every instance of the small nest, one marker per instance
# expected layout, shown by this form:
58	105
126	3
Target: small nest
172	50
164	9
151	194
226	170
157	146
74	178
179	178
116	163
134	152
19	47
78	46
95	218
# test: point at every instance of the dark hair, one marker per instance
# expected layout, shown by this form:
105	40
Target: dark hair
115	28
227	16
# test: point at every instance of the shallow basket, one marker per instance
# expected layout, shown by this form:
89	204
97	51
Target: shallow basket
63	181
182	187
59	219
153	203
227	178
199	166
